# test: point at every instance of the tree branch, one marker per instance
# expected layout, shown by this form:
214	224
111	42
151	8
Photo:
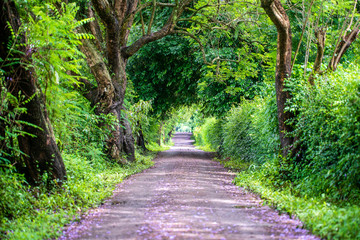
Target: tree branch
343	47
101	73
94	27
302	34
142	24
104	10
151	18
352	17
133	48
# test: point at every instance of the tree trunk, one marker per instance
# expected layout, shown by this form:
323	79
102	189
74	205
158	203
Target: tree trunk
339	51
342	47
109	98
41	154
278	16
320	38
140	140
127	139
169	135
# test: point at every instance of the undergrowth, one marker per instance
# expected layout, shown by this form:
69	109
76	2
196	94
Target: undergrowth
159	148
36	213
327	220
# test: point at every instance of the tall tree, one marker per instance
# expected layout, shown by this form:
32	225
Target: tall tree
109	65
40	152
278	16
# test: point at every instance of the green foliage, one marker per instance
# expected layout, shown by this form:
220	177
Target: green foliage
10	125
250	131
53	34
324	219
247	133
139	116
195	119
38	214
321	185
328	130
235	51
56	60
15	198
209	134
76	126
152	146
168	84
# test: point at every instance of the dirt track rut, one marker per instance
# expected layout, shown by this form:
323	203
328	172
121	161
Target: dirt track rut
185	195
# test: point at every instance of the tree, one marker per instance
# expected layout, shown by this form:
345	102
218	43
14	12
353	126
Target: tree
117	18
40	152
110	74
278	16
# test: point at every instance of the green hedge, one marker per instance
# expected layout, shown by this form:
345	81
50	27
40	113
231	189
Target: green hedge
329	129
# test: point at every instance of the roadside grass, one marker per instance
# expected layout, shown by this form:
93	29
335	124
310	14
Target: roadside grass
206	148
36	213
154	147
329	221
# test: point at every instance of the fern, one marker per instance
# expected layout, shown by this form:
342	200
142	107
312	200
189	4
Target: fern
84	36
56	12
13	36
82	22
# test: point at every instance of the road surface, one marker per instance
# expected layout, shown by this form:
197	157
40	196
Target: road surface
186	195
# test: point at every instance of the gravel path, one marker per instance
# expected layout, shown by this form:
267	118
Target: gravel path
184	196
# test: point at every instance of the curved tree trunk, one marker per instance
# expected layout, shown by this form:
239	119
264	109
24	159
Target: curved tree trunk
342	47
109	98
278	16
41	154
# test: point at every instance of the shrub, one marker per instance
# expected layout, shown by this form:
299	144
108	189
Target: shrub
209	135
250	131
329	130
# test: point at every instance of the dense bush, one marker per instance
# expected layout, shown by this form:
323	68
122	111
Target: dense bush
209	135
250	131
247	133
329	130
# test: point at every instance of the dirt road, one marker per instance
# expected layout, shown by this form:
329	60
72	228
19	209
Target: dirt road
185	195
